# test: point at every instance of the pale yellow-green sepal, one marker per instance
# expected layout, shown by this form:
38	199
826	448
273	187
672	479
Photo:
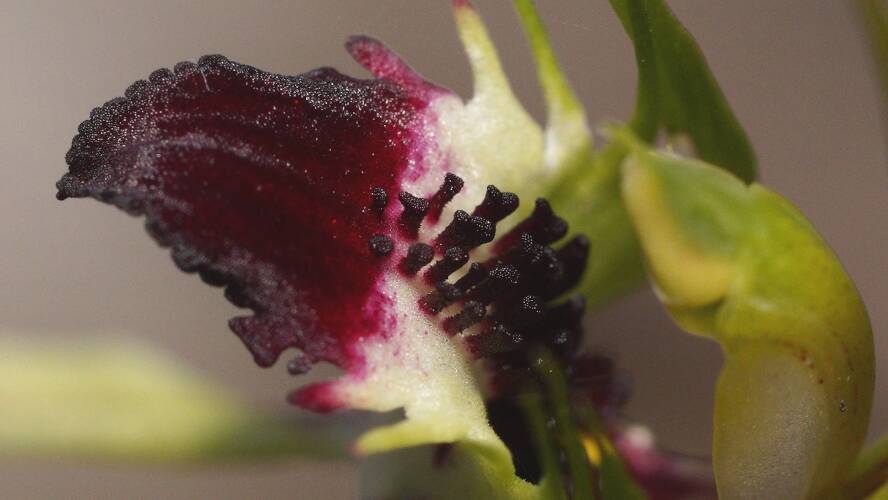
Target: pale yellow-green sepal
493	132
741	265
687	275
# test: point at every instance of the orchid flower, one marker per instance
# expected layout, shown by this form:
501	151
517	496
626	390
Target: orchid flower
441	253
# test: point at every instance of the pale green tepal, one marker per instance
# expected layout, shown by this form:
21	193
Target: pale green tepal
741	265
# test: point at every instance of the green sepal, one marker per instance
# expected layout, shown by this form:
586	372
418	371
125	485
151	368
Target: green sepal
741	265
588	196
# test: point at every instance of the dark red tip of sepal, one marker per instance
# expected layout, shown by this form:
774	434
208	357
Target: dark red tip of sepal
385	64
319	397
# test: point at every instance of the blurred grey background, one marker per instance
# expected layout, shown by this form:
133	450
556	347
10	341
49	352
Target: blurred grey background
797	72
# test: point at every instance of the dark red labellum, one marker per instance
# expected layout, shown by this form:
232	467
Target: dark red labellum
260	182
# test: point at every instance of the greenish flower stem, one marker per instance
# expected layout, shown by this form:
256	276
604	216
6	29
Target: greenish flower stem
869	471
546	451
595	469
583	486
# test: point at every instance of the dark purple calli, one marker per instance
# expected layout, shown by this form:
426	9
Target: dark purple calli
323	203
289	191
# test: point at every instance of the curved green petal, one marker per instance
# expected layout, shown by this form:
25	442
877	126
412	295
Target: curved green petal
124	402
741	265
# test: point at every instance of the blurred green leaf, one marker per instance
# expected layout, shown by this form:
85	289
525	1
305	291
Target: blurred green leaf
579	469
677	91
123	402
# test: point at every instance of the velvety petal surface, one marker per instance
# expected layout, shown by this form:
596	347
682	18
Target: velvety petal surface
262	183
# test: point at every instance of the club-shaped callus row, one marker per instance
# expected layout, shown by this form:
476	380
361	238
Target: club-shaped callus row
502	305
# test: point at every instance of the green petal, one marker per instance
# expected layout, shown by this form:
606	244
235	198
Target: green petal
588	196
124	402
676	90
741	265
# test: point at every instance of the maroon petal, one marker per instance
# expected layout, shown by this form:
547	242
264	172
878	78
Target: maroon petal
262	183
